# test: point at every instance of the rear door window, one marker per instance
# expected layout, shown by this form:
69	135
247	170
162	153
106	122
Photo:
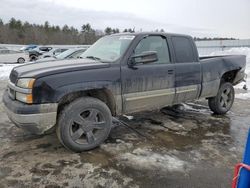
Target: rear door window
183	49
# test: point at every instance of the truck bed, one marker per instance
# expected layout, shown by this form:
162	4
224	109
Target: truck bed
214	67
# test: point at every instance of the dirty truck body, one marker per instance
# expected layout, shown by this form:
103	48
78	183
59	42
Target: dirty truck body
119	74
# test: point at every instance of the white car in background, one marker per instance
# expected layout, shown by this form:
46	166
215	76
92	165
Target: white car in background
53	52
72	53
11	56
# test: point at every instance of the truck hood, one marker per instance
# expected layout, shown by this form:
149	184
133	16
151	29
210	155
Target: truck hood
40	69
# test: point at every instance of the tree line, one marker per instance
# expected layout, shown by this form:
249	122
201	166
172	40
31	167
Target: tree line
214	38
18	32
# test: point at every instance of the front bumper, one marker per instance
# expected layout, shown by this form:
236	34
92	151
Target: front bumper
35	118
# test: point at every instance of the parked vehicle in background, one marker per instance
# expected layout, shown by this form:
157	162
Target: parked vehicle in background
11	56
6	51
28	47
36	52
119	74
52	52
72	53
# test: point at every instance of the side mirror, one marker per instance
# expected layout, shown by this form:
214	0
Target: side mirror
145	57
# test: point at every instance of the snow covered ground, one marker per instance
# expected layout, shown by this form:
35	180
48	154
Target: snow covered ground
146	159
5	70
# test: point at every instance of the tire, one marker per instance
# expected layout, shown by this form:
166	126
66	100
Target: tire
21	60
223	101
84	124
33	57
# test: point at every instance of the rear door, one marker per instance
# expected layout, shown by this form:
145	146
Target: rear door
149	86
187	69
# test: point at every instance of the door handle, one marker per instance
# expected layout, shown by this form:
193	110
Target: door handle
170	71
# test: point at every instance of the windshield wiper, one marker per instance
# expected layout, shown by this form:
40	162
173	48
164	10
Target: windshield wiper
93	57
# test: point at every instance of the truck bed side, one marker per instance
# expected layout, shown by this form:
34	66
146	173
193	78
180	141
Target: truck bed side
215	67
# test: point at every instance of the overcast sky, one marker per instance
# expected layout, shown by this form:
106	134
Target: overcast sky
212	18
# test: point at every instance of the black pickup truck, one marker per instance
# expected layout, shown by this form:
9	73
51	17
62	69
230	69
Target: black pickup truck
119	74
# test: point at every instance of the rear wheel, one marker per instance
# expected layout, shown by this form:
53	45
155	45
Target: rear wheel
84	124
20	60
33	58
223	101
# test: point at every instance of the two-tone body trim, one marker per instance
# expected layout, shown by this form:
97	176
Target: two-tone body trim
149	94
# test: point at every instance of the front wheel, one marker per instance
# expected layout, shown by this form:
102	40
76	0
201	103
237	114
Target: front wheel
84	124
20	60
223	101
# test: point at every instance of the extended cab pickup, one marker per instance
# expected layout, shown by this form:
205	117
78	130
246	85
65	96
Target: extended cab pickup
119	74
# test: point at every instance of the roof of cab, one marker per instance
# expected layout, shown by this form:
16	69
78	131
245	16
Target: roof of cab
152	33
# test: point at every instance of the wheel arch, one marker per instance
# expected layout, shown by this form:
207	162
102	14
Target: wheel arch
229	76
103	94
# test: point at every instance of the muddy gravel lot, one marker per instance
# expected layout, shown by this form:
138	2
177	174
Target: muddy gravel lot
185	147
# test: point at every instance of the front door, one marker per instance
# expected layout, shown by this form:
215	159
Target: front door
149	86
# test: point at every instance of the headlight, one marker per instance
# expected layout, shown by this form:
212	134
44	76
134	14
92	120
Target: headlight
26	83
26	98
25	95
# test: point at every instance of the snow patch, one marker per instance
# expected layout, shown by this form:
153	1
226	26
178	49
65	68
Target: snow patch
128	117
95	176
5	71
243	96
118	147
146	159
188	107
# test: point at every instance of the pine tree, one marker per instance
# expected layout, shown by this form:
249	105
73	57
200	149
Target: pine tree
108	30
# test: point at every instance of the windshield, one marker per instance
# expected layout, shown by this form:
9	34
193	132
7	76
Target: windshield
108	48
65	54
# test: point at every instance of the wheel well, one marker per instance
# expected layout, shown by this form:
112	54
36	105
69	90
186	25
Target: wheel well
229	76
102	94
